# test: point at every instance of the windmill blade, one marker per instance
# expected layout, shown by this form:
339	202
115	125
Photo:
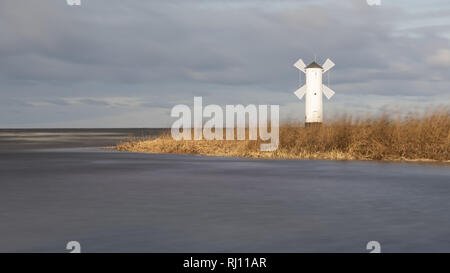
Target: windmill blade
300	65
327	91
327	65
300	92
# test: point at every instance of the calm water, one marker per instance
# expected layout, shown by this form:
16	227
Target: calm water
57	186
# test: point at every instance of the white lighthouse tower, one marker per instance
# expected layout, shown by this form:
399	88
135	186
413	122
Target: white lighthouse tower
313	90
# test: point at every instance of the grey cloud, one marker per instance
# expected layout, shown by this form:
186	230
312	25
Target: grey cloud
165	52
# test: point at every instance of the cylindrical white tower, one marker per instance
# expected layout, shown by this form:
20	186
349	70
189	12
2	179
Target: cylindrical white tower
313	90
313	106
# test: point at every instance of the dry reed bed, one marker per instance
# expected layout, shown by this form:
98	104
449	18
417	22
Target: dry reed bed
415	138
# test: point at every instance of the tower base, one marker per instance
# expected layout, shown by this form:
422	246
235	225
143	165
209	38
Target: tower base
313	124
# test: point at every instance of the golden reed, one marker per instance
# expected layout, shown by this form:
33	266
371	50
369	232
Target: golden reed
417	137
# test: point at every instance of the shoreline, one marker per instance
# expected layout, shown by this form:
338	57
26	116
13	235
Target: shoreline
268	156
409	161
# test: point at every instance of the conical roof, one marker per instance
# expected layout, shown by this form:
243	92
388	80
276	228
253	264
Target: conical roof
314	65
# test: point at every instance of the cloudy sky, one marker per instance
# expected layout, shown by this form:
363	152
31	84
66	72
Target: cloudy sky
116	63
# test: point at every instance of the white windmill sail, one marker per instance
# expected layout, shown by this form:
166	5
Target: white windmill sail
300	65
327	65
327	91
300	92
